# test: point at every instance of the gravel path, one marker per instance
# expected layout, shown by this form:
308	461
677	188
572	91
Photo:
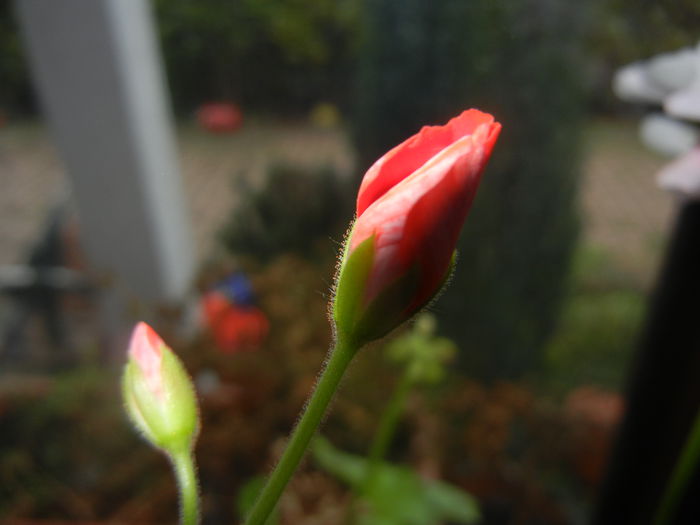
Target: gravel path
32	178
625	214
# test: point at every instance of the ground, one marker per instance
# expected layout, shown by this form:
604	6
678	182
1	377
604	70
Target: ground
624	211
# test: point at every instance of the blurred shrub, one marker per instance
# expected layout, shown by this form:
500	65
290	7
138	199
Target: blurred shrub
595	340
292	212
276	54
15	92
66	451
424	62
629	30
599	327
399	495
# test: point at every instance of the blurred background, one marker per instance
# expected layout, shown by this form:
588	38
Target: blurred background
195	163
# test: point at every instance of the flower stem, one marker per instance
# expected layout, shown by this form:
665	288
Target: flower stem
338	362
688	461
387	429
183	464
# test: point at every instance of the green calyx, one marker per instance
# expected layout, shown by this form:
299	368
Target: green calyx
168	421
390	308
363	322
350	288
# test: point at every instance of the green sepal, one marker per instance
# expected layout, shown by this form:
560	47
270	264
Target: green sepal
169	422
365	323
356	320
350	286
388	310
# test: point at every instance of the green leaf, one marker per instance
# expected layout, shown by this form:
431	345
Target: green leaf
453	503
398	496
347	468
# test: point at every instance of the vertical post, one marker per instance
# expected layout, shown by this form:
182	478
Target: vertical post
98	74
664	390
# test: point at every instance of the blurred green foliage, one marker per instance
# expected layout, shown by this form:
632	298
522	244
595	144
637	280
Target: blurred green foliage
595	340
296	210
63	438
15	92
400	496
599	327
625	31
423	354
276	54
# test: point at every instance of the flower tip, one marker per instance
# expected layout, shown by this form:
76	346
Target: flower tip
158	392
145	345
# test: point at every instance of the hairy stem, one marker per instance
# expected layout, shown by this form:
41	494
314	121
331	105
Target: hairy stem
183	464
338	362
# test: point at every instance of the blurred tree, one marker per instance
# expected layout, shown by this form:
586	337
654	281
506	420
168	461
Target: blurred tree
295	209
632	29
629	30
15	92
424	62
272	53
395	81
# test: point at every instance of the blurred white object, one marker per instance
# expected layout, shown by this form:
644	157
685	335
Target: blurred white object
632	84
668	136
98	72
682	176
671	80
685	103
673	71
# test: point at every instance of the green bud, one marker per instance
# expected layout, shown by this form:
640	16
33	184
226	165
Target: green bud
158	393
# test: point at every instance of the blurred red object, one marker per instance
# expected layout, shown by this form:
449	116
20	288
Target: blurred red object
594	406
234	328
219	117
593	414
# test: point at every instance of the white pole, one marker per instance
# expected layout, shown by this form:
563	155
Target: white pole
98	74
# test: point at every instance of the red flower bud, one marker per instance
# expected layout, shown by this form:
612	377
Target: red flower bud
158	393
410	210
146	349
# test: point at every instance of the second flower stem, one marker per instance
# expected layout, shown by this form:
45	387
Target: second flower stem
338	362
386	430
687	463
186	475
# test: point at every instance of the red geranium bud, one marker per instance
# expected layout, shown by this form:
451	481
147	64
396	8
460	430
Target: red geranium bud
158	393
146	349
410	210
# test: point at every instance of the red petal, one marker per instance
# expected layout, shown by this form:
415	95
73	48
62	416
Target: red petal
417	222
411	154
146	350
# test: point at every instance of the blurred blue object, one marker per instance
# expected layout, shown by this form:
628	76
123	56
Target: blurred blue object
237	288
